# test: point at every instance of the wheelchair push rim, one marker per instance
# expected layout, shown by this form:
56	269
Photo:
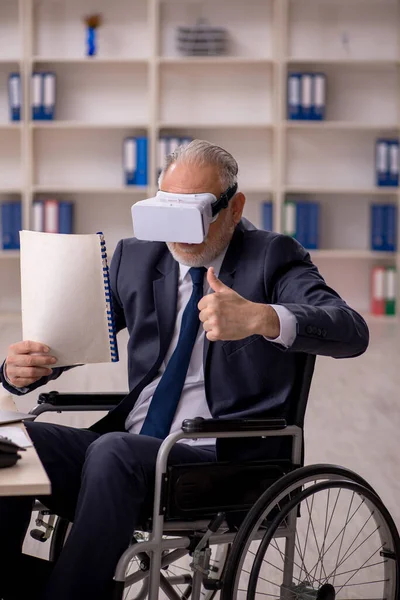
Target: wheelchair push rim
314	544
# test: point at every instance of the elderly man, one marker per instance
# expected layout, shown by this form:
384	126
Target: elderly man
218	328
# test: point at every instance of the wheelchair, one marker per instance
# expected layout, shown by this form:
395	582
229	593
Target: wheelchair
248	531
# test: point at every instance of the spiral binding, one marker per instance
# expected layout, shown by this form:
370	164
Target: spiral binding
112	332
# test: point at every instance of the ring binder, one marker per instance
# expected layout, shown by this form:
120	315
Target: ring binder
112	333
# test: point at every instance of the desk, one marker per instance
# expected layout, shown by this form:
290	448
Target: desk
27	477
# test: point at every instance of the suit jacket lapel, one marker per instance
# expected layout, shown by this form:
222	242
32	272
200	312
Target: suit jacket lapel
165	289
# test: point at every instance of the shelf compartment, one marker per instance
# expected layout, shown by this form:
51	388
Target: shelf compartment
112	94
339	29
92	213
10	160
249	25
358	97
60	154
216	93
55	189
10	32
59	29
315	160
252	149
365	192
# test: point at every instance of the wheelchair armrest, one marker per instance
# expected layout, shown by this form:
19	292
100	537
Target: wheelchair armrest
96	399
200	425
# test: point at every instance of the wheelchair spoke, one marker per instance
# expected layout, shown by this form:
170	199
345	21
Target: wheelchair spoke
339	534
361	568
358	570
316	541
261	593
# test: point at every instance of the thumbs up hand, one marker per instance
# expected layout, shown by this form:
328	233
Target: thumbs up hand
228	316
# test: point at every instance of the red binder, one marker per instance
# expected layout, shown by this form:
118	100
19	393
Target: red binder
378	291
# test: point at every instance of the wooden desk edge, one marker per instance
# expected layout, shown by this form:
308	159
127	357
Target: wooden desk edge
27	477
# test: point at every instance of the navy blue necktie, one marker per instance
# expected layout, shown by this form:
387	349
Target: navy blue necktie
168	392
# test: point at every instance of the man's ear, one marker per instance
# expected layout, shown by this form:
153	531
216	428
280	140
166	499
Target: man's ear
238	202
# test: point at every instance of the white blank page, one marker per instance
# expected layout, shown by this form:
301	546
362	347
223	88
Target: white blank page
63	297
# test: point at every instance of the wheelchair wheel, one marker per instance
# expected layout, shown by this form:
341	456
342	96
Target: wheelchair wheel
319	533
176	574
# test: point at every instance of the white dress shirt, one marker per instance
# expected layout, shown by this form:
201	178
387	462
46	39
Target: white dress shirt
193	401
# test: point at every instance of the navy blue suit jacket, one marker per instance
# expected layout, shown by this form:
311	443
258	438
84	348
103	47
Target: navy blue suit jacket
251	377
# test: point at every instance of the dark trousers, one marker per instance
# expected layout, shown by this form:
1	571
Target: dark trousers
102	484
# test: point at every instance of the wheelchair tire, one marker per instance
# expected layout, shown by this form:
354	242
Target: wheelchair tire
274	509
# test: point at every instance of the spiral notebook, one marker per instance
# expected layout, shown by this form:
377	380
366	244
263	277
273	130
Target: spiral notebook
66	296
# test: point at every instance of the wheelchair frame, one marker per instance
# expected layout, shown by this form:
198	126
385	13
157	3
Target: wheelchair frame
156	546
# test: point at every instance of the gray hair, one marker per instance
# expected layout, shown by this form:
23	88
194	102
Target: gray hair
201	153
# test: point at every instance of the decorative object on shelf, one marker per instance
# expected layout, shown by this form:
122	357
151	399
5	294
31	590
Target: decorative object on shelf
384	227
267	216
202	39
52	216
167	145
301	221
306	96
14	96
387	162
135	160
11	225
92	22
383	290
43	96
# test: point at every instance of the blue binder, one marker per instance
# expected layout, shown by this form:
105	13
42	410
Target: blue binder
294	96
393	162
319	97
130	161
307	100
390	227
7	226
16	223
49	96
267	216
14	96
37	96
302	215
312	236
377	227
141	161
382	163
65	216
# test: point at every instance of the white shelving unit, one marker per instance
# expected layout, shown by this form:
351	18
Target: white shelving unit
140	84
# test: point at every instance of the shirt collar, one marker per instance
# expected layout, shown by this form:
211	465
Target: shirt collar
216	263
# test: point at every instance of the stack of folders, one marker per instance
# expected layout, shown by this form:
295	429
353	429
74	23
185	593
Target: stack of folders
306	96
43	96
387	162
301	221
383	290
384	227
11	224
167	145
267	216
52	216
14	96
135	160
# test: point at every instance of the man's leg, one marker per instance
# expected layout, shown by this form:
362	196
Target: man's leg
62	451
116	478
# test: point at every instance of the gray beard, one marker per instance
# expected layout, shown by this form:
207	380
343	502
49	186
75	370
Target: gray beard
209	252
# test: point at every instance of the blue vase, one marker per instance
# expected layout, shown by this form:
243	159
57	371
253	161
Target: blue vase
91	41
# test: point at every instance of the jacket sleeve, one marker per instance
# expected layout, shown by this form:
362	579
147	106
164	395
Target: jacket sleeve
119	323
326	325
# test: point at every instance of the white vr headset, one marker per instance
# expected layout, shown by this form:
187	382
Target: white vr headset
181	218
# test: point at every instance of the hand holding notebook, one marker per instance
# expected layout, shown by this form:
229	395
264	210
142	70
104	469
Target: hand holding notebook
66	297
